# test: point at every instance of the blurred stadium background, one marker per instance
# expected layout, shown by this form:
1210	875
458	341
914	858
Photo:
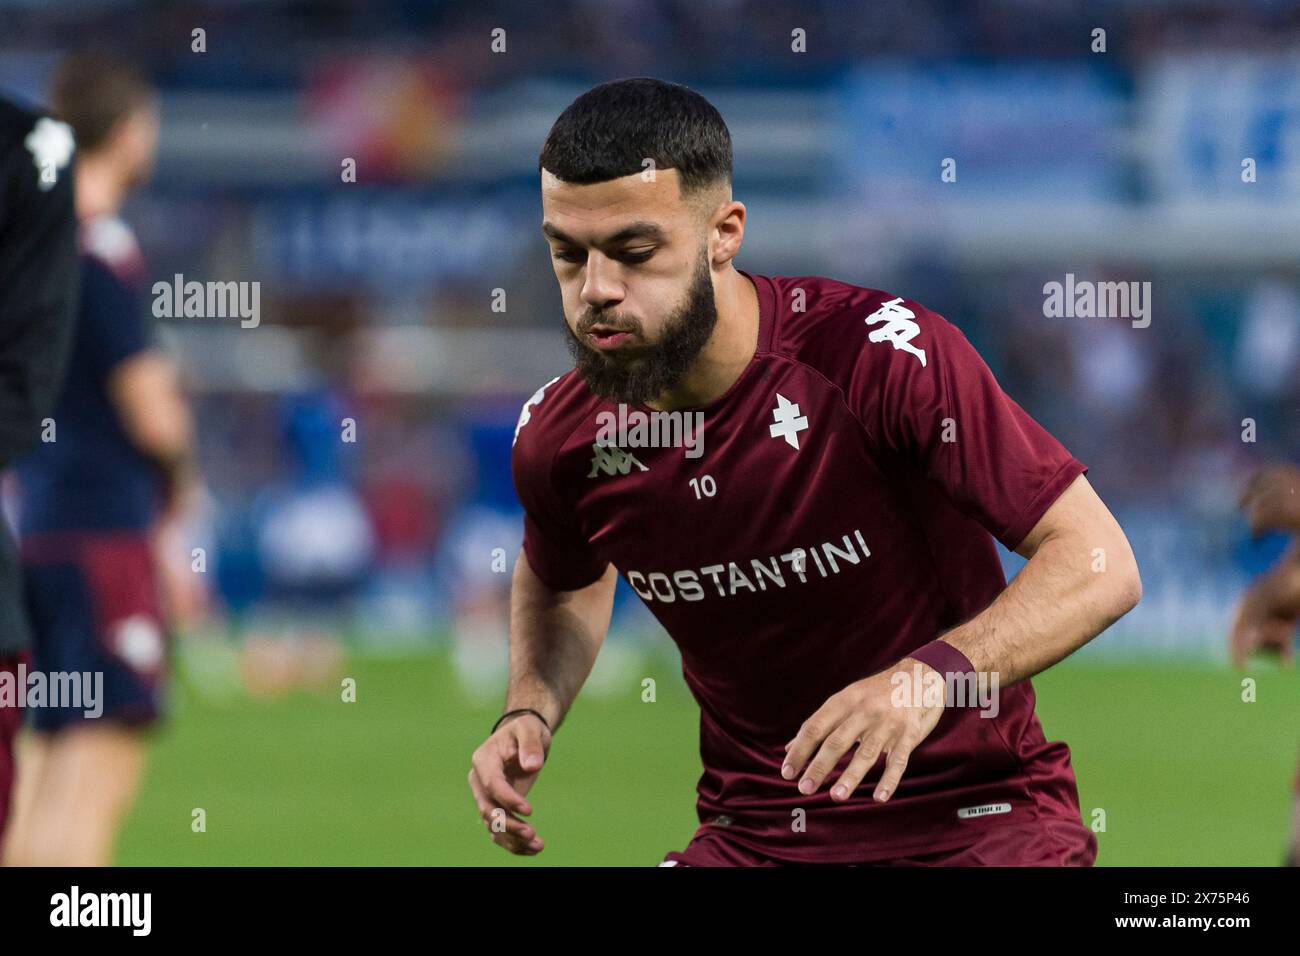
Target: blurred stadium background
377	305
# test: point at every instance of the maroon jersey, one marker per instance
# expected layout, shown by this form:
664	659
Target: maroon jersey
841	515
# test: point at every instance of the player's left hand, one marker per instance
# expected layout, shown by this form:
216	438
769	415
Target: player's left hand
864	713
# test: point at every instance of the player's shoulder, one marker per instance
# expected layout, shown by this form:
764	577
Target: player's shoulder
550	415
16	122
111	245
844	330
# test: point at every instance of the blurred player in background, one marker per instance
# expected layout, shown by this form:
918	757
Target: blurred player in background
119	467
833	535
38	298
1269	611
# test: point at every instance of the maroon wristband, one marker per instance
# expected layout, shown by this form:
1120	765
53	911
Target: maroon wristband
943	657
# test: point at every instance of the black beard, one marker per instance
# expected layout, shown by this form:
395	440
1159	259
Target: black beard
648	371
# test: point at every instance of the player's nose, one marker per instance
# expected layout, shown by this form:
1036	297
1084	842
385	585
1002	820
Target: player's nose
601	286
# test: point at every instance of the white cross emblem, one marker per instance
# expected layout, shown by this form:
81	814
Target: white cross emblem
789	423
51	144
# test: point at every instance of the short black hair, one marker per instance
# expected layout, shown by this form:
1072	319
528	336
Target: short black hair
609	131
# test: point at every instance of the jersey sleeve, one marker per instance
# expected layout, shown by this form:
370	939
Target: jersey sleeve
113	318
554	544
928	397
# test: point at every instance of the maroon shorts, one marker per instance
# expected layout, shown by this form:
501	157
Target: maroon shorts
10	719
93	601
1040	843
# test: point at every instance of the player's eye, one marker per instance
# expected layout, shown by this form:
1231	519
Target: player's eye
638	256
564	255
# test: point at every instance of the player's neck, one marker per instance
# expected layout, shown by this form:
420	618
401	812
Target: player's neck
101	189
727	353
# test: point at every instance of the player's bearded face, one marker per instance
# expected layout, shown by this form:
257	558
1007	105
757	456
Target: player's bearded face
646	368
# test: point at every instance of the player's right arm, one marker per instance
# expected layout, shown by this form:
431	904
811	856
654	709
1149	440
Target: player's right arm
560	604
554	639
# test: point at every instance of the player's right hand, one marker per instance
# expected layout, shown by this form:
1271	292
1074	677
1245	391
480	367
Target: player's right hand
504	768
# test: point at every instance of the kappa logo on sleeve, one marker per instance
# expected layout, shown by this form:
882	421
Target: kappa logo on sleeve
899	329
526	413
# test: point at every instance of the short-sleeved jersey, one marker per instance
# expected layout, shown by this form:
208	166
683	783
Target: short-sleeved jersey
91	477
843	513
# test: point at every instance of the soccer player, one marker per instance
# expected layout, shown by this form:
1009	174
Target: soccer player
1269	611
119	458
38	296
824	559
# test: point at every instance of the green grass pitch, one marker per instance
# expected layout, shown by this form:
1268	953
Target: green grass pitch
1188	774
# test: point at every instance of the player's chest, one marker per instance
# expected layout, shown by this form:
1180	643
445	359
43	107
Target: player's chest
785	461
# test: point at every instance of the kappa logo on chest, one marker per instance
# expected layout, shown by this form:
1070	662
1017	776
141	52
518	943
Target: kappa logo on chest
612	460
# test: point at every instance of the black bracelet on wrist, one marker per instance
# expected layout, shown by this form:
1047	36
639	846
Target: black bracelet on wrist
521	710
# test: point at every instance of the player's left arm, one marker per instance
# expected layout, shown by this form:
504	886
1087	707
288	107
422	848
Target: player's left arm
1081	577
140	379
925	396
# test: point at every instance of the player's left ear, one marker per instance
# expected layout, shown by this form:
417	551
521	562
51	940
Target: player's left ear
728	227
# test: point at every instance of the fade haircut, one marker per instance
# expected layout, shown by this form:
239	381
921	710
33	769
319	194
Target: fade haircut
609	131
